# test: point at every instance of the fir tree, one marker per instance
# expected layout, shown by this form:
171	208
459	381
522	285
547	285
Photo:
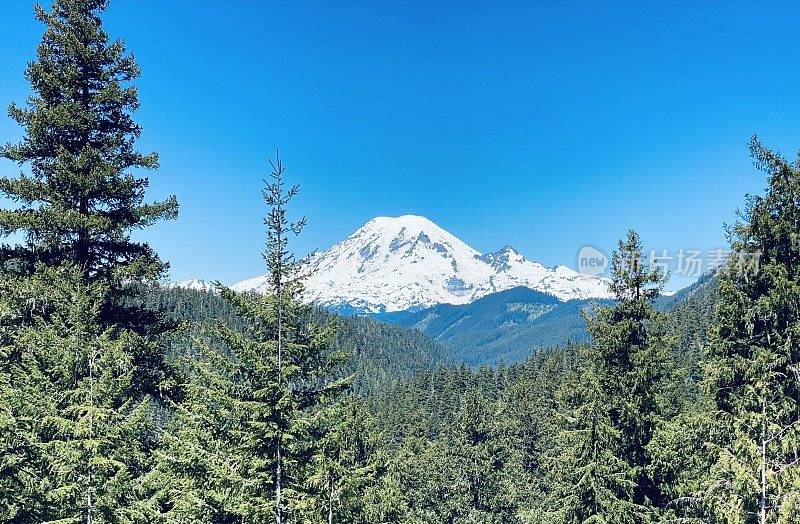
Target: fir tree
242	444
80	202
752	364
589	481
610	419
534	399
82	433
482	456
18	500
630	357
346	464
80	367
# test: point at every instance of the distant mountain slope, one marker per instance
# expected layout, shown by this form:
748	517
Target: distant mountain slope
506	326
510	325
380	353
408	262
703	290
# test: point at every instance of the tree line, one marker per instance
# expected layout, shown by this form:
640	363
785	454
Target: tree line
124	403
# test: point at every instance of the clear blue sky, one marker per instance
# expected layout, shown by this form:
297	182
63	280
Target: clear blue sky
544	126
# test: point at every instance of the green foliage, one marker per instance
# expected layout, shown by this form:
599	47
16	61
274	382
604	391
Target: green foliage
611	404
79	202
590	481
630	358
107	415
379	353
347	464
466	471
245	437
82	372
752	365
691	315
79	430
222	446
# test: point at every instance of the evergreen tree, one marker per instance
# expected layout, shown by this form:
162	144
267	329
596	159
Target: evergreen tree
82	434
680	462
460	469
484	460
200	475
346	464
17	483
80	368
589	481
80	202
243	442
533	398
752	364
630	357
610	418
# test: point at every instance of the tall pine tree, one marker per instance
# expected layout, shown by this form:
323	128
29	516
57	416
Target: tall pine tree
80	201
243	443
752	365
79	365
610	418
631	357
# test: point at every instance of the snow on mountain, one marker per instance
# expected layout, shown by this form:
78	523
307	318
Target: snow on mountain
197	284
395	264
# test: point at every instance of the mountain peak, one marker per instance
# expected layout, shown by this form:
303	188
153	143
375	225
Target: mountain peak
407	235
406	262
408	221
503	259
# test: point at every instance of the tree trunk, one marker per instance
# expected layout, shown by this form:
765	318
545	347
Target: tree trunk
278	473
330	499
764	462
279	466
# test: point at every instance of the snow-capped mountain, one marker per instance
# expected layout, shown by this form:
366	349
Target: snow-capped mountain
197	284
395	264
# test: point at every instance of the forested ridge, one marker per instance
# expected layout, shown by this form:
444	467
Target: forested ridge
123	402
379	353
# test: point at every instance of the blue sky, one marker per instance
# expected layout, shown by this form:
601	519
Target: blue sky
546	126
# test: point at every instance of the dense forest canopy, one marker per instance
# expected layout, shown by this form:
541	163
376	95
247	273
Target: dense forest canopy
124	402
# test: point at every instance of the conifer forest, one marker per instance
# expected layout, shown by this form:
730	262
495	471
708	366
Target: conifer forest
126	401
